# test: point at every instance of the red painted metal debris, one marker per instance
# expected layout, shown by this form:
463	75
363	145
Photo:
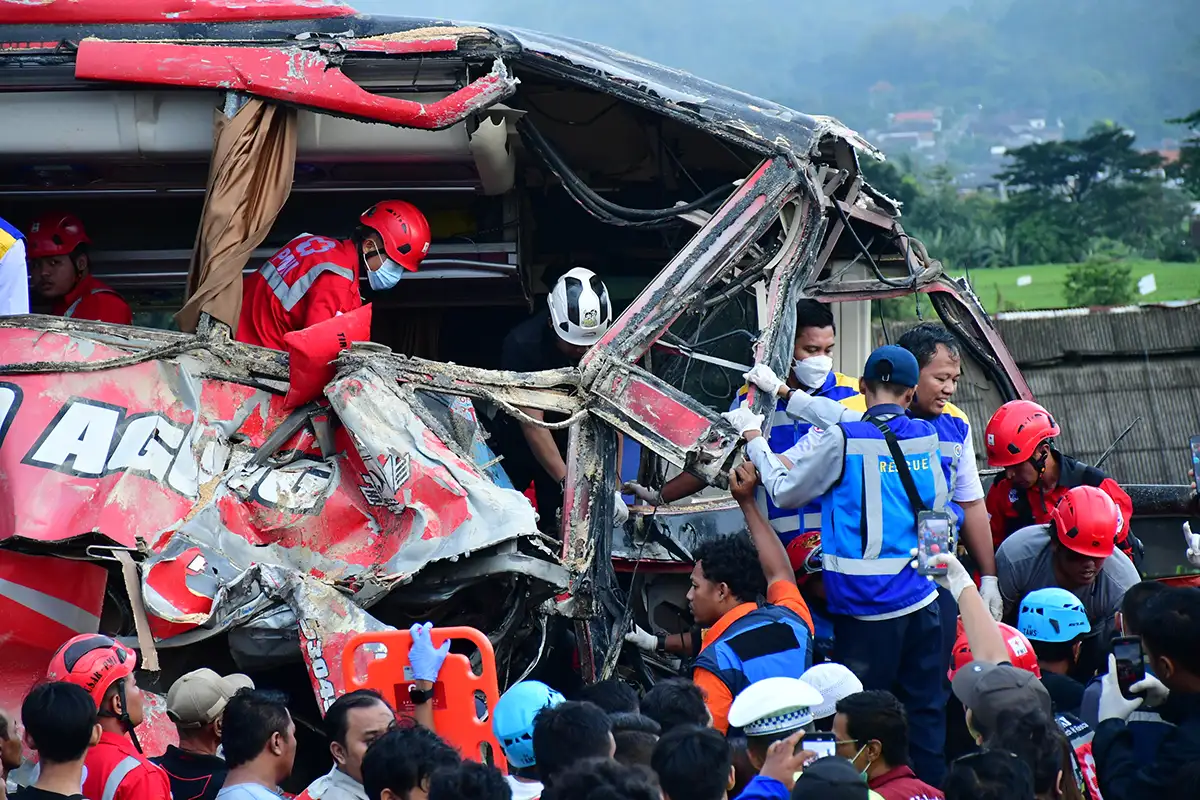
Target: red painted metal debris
287	74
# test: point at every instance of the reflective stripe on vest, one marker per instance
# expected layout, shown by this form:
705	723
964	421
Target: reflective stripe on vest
769	642
874	452
868	526
785	433
70	312
289	296
113	782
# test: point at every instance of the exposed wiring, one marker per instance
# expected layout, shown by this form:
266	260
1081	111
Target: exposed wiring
594	118
598	206
863	248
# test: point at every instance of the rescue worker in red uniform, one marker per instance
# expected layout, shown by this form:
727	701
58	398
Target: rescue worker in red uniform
60	271
314	278
115	767
1019	438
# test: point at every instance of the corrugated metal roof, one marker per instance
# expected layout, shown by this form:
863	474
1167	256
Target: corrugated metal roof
1128	331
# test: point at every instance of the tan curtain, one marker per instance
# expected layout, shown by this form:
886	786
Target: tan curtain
254	159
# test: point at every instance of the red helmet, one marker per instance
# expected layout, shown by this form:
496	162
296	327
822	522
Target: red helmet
1015	431
55	234
92	661
1087	521
404	229
805	554
1020	651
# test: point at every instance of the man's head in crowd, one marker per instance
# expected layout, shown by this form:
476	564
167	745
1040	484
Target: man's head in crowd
989	775
469	781
1170	629
815	337
727	574
770	710
635	736
614	695
60	722
604	779
832	778
987	691
1055	622
890	377
693	764
1038	741
675	702
196	704
1133	605
10	743
400	764
569	732
513	721
353	723
871	730
258	732
937	354
834	682
1083	535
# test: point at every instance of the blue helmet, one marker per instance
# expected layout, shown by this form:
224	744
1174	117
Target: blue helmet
1052	615
512	719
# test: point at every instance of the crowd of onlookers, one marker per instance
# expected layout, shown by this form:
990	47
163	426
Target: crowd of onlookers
834	653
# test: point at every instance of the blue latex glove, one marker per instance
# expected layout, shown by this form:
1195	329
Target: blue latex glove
425	659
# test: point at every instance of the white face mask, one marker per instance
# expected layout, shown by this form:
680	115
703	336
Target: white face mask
812	371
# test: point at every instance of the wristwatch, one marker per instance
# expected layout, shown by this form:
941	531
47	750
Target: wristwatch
661	645
419	697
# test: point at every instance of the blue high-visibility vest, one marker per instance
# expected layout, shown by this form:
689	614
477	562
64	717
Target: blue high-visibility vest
769	642
953	429
785	432
868	526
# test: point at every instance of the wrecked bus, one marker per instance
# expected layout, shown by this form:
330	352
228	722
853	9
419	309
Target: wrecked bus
156	486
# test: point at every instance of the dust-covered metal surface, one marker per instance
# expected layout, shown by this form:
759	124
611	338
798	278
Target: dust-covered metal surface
244	514
764	127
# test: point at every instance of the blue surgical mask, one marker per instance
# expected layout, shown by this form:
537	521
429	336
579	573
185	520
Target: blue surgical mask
387	276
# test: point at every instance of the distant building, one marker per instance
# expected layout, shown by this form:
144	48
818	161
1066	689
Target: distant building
911	130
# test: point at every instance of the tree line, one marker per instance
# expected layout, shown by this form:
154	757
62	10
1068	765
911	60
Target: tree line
1091	201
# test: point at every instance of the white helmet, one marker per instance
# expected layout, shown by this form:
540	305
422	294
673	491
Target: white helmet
579	308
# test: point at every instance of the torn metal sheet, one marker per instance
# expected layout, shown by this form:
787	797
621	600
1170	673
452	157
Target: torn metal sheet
290	74
189	471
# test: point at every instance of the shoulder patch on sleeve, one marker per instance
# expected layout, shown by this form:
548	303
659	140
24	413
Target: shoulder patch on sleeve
855	402
955	411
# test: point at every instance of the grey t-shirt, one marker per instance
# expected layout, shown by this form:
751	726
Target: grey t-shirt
246	791
1023	565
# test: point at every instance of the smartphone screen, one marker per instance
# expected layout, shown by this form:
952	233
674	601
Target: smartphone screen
1131	664
823	744
934	531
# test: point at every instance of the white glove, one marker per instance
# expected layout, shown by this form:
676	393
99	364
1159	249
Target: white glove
1193	545
764	378
743	419
642	640
956	578
1113	704
620	510
989	589
651	497
1155	691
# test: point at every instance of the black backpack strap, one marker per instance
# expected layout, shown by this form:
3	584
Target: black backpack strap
906	478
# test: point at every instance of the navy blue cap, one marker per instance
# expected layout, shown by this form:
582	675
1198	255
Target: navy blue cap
892	364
